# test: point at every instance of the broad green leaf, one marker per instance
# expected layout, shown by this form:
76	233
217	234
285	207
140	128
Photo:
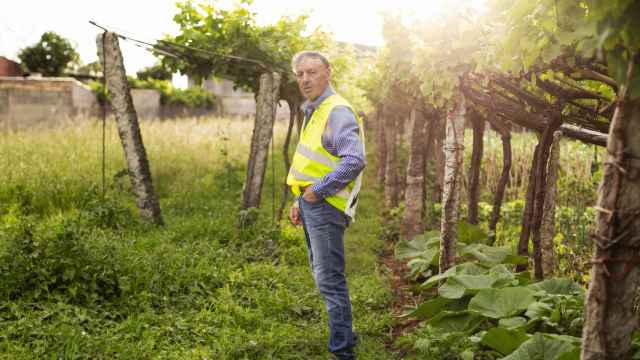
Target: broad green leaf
617	66
464	268
538	310
491	254
634	87
512	322
459	285
524	278
470	233
430	308
540	347
409	249
567	338
456	321
502	303
557	286
425	246
516	259
501	269
504	340
571	355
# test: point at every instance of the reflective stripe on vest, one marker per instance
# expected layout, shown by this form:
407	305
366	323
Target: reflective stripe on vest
311	161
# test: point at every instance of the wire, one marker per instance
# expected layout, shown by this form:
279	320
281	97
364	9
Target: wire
164	51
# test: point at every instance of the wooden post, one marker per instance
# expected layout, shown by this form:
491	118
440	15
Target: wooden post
453	153
505	135
128	127
391	162
293	115
412	218
547	226
474	169
262	135
610	318
541	187
381	147
527	214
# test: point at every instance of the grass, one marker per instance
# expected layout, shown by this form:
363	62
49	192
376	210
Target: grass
82	277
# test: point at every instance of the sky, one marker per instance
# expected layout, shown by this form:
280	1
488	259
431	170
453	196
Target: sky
22	22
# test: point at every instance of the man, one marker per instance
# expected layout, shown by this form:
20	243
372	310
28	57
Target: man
325	175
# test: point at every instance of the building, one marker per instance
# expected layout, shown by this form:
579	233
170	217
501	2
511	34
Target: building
9	67
236	102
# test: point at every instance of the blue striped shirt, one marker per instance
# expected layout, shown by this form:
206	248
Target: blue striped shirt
341	138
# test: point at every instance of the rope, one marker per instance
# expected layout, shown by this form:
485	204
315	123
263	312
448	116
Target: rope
104	118
273	179
273	166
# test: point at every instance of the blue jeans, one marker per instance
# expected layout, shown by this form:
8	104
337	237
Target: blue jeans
324	227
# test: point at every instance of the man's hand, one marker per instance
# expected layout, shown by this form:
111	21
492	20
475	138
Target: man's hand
309	196
294	215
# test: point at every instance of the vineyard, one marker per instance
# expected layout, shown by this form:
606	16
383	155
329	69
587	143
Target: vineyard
498	220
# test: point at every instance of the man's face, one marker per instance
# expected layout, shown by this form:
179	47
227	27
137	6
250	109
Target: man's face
313	77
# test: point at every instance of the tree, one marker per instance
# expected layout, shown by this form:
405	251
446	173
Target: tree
157	71
50	56
594	43
230	44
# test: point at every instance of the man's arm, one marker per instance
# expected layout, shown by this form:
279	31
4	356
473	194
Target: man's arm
341	138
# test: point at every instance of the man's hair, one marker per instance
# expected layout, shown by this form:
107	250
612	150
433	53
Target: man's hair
297	58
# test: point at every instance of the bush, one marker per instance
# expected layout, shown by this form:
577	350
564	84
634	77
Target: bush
195	97
54	260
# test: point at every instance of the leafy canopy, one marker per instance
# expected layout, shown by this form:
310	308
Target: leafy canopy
226	38
50	56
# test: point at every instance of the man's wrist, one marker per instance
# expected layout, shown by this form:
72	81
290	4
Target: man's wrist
317	190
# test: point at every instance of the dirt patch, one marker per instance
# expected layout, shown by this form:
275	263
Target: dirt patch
403	298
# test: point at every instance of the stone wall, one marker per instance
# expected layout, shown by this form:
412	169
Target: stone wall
34	102
27	103
236	102
147	103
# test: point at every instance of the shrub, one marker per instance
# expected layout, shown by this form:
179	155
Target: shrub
54	260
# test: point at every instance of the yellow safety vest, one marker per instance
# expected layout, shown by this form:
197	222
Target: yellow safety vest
311	161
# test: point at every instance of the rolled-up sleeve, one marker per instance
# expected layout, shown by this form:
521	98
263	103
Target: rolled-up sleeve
341	138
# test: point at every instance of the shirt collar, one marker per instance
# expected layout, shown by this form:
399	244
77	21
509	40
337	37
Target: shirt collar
312	105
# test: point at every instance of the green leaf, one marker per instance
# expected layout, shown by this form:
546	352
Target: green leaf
425	246
512	322
617	66
504	340
524	277
459	285
537	310
409	249
557	286
430	308
634	87
456	321
539	347
502	303
464	268
470	233
467	355
516	259
485	253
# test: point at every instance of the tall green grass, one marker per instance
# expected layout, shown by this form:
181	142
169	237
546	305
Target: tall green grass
82	277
